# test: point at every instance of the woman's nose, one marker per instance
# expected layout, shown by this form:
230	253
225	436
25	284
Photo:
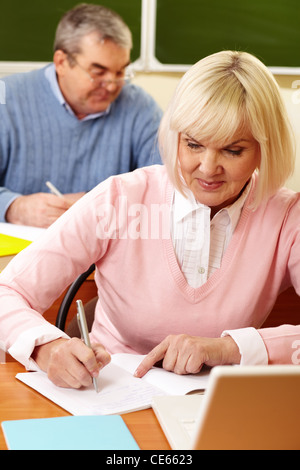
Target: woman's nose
209	162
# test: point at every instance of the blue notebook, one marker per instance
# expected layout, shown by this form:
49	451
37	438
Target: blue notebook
69	433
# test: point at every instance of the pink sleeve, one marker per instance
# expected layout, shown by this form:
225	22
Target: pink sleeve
283	342
39	274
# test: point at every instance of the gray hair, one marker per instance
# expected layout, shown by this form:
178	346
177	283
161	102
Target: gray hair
88	18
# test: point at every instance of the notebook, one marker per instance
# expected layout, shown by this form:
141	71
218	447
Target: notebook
69	433
11	245
25	232
14	238
244	408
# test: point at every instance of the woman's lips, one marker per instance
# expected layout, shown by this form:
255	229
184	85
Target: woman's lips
210	185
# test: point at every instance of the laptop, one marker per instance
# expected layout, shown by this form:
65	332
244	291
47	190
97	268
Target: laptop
243	408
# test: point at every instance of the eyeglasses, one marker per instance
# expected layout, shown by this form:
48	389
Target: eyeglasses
96	76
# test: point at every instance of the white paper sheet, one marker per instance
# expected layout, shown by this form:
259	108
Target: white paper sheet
119	391
21	231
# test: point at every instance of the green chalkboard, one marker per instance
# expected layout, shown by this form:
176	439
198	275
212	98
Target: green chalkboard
186	30
27	27
191	29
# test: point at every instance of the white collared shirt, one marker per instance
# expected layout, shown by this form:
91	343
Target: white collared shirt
200	244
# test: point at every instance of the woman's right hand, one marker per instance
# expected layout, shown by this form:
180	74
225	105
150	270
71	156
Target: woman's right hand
70	363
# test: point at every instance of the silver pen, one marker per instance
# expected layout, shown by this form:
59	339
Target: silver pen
81	319
53	189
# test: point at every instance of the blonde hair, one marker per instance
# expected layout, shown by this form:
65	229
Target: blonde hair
221	94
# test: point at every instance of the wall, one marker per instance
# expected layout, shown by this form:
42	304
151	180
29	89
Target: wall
291	98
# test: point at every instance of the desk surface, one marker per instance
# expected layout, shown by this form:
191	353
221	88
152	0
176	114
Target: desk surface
17	401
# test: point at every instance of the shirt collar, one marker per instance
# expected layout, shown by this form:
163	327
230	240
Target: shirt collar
234	211
183	206
50	74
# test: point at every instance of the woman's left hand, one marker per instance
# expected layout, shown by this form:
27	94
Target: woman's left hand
185	354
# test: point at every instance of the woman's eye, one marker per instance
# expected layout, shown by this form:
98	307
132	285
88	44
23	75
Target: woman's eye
234	153
194	145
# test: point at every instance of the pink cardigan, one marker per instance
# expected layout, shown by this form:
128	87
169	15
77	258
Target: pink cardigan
123	227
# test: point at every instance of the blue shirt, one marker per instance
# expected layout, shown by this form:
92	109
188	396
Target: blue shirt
41	140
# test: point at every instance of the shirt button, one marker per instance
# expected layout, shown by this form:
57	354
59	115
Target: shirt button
191	236
201	270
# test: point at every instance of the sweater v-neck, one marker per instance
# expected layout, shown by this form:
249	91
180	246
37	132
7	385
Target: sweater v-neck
196	294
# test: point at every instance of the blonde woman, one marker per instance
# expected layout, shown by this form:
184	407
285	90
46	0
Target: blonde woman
190	256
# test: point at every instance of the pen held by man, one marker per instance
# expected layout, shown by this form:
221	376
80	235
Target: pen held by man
53	189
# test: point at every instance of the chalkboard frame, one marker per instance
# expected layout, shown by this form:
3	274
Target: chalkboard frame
152	63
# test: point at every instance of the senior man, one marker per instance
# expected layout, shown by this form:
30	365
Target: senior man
75	122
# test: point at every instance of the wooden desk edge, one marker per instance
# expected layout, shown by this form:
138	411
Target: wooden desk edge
18	401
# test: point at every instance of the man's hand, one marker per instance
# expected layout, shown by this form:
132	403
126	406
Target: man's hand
70	363
40	209
185	354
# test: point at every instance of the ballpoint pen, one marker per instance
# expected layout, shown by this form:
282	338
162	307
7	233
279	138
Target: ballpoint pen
81	319
53	189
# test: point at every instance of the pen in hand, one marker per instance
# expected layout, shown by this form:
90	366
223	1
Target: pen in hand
53	189
81	319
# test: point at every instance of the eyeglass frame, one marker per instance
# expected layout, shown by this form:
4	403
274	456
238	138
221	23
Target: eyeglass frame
129	75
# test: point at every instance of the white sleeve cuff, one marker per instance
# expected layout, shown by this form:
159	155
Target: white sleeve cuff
251	346
22	349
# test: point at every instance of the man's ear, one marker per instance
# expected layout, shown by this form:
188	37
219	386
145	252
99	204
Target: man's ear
60	60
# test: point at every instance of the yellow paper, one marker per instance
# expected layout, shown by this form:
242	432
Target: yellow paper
12	245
